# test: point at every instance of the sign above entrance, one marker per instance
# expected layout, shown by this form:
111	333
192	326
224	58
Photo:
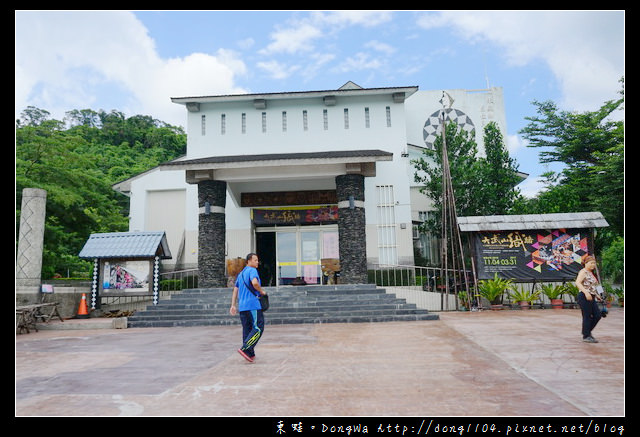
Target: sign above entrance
295	216
289	198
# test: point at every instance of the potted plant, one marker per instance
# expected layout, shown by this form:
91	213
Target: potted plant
572	290
524	297
619	293
465	300
493	289
554	293
610	292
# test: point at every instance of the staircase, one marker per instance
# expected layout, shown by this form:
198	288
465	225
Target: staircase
303	304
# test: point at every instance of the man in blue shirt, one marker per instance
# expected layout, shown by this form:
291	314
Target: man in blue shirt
246	300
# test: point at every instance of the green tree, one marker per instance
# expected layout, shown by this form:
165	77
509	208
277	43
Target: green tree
498	173
591	147
77	167
464	169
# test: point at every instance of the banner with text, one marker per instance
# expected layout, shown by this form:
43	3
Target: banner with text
551	255
295	216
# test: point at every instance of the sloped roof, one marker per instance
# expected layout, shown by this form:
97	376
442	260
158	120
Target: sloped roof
126	245
344	155
532	221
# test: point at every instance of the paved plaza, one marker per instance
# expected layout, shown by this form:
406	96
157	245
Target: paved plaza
488	363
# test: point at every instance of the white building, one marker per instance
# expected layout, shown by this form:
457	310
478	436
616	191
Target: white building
282	155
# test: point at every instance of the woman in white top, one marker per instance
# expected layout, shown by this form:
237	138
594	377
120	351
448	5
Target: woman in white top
587	298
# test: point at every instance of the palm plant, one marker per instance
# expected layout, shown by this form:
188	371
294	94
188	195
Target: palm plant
493	289
553	291
523	295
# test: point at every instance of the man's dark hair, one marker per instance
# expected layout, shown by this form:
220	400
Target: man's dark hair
249	256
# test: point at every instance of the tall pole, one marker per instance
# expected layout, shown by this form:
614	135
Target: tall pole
451	239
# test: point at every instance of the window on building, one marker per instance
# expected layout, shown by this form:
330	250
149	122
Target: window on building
305	120
244	123
284	121
223	124
264	122
325	119
366	118
203	124
346	118
387	242
426	243
388	116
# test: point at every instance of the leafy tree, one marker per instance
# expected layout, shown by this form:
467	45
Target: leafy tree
499	175
464	169
591	146
77	167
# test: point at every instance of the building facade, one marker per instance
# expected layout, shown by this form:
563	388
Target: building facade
307	180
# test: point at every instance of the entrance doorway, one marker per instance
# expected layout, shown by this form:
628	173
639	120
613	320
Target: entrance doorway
291	253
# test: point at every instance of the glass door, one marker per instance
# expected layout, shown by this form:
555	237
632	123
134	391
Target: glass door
287	257
310	257
299	253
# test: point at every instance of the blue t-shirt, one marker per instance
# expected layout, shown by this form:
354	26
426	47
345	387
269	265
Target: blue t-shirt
248	298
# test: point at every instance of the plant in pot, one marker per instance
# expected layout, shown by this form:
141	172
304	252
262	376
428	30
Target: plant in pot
572	290
493	289
465	299
610	292
524	297
554	293
619	293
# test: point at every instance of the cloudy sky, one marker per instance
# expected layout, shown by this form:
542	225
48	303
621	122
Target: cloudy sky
135	61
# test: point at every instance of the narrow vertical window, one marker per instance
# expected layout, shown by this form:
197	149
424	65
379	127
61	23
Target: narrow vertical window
223	124
203	124
244	123
387	242
284	121
346	118
264	122
366	117
305	121
325	119
388	116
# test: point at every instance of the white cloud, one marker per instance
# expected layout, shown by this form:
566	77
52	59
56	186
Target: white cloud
516	143
277	70
583	49
64	58
294	39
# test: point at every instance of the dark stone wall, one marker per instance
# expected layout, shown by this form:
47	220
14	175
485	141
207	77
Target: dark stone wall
211	235
351	230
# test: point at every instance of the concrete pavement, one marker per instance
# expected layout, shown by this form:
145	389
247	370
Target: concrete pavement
488	363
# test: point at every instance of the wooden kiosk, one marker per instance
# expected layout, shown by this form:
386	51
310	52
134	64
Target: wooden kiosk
125	263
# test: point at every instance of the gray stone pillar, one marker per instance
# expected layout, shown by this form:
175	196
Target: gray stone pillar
351	229
212	197
31	240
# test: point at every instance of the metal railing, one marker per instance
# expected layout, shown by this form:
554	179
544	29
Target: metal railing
422	286
169	283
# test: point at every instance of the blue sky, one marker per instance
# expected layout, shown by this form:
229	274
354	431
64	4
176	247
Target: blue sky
135	61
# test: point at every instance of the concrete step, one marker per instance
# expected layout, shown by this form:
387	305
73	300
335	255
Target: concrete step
308	304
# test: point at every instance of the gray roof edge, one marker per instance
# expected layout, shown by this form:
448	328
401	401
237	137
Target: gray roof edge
592	219
137	244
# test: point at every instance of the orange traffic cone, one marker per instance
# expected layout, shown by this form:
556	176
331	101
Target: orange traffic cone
83	311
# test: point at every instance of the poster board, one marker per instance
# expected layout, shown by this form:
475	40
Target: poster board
526	255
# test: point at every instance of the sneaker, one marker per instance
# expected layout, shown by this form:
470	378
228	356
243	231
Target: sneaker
245	356
590	340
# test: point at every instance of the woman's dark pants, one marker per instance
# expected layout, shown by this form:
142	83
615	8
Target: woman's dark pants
590	314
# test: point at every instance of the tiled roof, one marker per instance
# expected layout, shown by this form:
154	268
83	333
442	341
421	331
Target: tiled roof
532	221
342	154
126	245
